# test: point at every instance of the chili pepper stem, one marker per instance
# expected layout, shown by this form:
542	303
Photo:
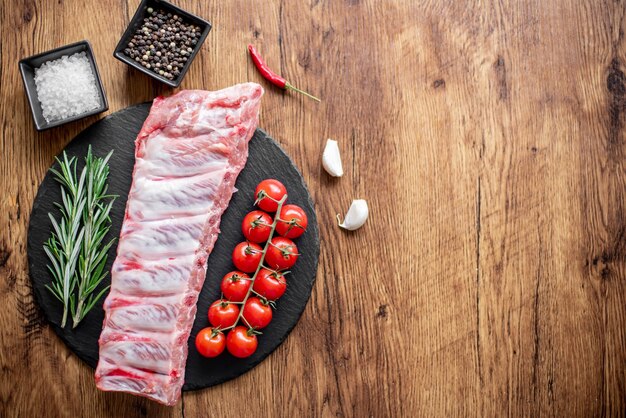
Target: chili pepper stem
289	86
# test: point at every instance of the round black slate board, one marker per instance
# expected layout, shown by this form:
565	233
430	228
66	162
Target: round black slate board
266	160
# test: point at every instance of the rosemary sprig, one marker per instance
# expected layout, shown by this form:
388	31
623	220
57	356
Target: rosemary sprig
63	246
96	224
76	248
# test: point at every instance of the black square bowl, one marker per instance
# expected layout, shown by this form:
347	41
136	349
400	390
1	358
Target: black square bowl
27	68
136	23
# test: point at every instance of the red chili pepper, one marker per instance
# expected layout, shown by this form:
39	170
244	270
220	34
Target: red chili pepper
270	75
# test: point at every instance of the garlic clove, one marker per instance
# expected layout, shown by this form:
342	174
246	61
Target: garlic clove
331	159
356	216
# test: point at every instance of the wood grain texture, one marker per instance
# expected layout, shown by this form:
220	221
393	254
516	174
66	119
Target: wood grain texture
488	138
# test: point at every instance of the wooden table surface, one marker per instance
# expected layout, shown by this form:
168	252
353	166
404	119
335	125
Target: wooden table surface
489	141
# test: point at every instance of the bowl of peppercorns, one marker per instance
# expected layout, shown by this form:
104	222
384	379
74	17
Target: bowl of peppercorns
162	40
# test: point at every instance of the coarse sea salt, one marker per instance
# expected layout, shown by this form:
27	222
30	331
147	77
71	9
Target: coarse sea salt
66	87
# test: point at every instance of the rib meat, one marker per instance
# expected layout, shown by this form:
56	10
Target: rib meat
188	155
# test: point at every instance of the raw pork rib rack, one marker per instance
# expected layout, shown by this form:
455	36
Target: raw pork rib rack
188	155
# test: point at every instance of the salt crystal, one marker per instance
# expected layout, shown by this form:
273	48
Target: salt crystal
66	87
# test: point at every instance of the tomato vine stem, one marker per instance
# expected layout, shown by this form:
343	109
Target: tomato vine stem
259	267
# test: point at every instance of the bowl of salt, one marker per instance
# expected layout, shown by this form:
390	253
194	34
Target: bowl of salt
63	85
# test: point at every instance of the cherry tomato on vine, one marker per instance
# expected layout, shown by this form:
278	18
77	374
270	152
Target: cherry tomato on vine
247	256
268	193
210	342
282	253
235	286
270	284
293	221
223	314
256	226
258	314
241	342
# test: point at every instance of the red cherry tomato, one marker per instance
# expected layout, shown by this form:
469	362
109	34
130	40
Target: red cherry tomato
281	254
235	286
293	221
268	193
257	314
269	284
223	314
241	342
256	226
247	256
210	342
